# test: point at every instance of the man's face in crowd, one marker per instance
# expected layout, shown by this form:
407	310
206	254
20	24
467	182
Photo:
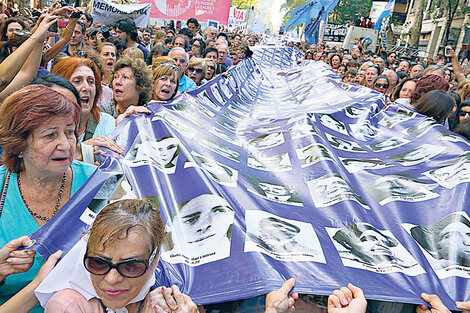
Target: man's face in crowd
403	67
212	33
85	20
179	42
146	37
212	55
416	70
93	41
180	58
371	74
355	53
77	36
317	56
121	35
223	53
192	27
379	62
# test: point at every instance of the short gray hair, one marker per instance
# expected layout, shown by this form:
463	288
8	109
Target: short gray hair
182	50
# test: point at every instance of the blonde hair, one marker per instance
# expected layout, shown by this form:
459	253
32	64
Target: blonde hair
133	52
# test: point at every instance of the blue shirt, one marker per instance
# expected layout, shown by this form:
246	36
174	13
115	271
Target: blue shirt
186	83
16	221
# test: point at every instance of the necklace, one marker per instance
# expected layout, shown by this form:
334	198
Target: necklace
44	218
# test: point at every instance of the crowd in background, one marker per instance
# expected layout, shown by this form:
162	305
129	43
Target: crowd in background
87	77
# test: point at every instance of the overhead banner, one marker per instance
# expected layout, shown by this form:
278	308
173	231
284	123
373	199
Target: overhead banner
280	170
202	10
105	12
335	32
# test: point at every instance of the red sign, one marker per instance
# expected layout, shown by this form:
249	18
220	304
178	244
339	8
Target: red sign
202	10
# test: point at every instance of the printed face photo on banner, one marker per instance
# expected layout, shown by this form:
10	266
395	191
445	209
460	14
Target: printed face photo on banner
330	189
161	153
363	131
176	122
363	246
234	118
220	149
190	114
447	136
225	90
418	155
300	130
312	154
355	112
391	119
421	128
275	163
388	144
217	94
273	191
342	144
227	125
357	165
281	238
267	141
446	244
454	172
200	231
204	97
399	187
220	173
200	108
233	139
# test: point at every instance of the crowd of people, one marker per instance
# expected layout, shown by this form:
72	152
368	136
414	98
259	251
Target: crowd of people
64	91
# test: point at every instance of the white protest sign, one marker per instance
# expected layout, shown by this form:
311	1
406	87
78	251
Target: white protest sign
105	12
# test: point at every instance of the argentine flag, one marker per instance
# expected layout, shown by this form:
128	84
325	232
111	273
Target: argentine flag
385	13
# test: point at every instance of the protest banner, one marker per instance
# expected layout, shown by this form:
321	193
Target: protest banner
335	32
105	12
237	17
202	10
280	170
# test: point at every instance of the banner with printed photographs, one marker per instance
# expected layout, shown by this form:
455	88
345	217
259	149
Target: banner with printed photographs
280	170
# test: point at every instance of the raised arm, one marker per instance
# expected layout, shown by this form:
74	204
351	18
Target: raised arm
458	72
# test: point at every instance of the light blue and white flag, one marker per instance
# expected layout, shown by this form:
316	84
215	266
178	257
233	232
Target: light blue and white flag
385	13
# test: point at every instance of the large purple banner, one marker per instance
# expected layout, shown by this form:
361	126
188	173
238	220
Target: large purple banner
280	170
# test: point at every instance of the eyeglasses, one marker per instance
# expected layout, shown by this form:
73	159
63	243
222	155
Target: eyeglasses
211	67
381	85
128	269
464	113
192	69
182	61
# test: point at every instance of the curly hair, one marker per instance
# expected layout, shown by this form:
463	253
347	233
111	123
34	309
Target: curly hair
142	74
428	83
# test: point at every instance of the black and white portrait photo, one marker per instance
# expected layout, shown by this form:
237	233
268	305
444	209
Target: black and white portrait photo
446	244
330	189
267	141
364	131
227	125
275	163
197	104
217	93
218	172
273	191
454	172
220	149
421	154
387	144
304	129
363	246
161	153
342	144
204	97
225	90
421	128
399	187
312	154
280	238
332	123
355	112
199	231
224	135
176	123
391	119
357	165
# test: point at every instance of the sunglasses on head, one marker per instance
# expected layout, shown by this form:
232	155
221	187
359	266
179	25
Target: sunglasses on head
381	85
192	69
128	269
464	113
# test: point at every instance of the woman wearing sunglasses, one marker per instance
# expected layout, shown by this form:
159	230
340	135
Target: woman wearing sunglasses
210	71
113	269
381	84
196	70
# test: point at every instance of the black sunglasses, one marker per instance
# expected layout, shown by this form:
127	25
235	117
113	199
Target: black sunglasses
211	67
192	69
128	269
381	85
463	113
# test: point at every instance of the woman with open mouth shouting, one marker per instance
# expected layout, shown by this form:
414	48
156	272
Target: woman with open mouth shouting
94	125
166	82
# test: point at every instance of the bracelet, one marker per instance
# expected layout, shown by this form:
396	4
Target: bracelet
67	27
